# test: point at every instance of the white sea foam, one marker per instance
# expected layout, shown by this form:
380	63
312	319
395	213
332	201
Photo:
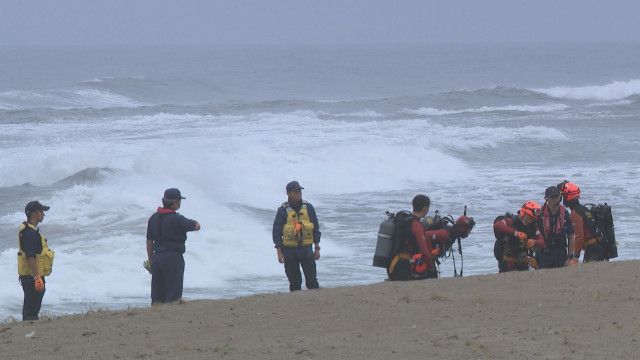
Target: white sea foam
427	111
611	103
65	99
616	90
232	170
361	114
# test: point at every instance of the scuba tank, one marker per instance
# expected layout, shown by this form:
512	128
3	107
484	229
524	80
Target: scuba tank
385	244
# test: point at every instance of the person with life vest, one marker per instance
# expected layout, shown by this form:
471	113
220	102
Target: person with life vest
585	238
295	231
166	237
557	232
35	260
516	237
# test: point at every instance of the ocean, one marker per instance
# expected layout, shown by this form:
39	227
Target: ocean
99	133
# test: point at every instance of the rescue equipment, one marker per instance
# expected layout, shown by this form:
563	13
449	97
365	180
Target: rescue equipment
599	220
530	208
389	237
298	230
44	260
499	244
569	191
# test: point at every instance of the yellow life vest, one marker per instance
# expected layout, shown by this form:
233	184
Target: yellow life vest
298	230
44	260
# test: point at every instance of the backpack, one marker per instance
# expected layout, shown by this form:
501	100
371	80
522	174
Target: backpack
498	245
402	221
599	220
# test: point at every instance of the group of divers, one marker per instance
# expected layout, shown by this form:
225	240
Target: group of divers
410	244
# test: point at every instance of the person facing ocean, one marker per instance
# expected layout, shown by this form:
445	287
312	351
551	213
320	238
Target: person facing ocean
35	260
166	237
295	231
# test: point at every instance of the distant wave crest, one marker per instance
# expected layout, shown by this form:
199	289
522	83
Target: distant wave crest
616	90
427	111
64	99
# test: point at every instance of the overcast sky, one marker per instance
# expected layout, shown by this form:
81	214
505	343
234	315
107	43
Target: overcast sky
26	22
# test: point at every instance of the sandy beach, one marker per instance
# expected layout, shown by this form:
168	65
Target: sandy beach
590	311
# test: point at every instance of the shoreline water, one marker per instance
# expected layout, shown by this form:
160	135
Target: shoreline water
587	311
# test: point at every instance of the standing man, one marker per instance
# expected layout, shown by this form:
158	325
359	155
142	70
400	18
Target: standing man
166	235
557	232
35	260
412	242
295	230
583	224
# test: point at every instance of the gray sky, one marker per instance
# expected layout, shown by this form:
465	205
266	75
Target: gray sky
304	21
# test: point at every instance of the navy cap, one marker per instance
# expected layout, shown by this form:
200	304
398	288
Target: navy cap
552	191
173	194
293	186
34	206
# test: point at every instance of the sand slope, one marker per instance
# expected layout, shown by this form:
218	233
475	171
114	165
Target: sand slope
589	311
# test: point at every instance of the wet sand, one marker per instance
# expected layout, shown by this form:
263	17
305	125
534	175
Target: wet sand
590	311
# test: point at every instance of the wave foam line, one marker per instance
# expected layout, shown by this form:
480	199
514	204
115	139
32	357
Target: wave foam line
616	90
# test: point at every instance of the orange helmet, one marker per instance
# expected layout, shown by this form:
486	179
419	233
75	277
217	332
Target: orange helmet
530	208
570	191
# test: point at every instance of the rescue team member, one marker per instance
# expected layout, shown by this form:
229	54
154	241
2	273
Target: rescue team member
35	260
415	258
166	236
584	237
557	232
295	230
516	235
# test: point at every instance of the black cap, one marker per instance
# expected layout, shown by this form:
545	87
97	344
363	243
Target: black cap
293	186
34	206
552	191
173	194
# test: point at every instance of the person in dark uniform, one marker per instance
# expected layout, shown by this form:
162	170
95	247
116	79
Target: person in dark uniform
295	231
166	237
35	260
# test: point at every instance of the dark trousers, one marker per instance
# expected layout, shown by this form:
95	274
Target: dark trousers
167	275
555	257
32	299
594	252
507	266
296	257
402	271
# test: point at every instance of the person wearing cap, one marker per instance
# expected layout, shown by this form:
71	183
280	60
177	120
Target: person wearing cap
585	238
557	232
295	231
35	260
516	236
166	237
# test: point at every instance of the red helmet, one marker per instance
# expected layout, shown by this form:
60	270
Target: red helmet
530	208
570	191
